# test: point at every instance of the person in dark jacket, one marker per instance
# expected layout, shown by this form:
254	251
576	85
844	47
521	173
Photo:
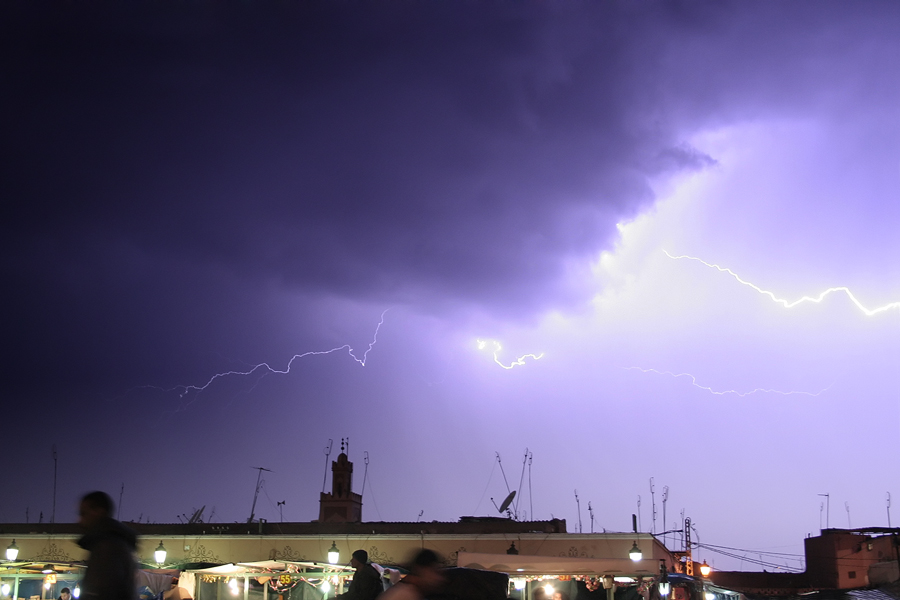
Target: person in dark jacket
366	583
111	566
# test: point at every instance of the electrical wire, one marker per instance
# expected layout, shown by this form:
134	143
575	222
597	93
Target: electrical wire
372	493
760	562
491	476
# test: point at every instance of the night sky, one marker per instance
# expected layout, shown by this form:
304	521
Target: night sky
192	189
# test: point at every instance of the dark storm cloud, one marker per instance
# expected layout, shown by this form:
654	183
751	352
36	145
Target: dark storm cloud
341	149
158	157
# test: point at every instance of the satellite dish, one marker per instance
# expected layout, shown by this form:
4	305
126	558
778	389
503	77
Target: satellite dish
507	502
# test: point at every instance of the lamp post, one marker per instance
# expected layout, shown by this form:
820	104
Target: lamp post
334	555
663	586
160	554
12	551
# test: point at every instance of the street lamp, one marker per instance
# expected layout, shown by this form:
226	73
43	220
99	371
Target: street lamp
334	555
160	554
663	579
76	592
12	551
635	553
705	569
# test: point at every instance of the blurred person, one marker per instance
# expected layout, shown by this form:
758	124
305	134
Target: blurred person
110	566
65	594
425	578
366	583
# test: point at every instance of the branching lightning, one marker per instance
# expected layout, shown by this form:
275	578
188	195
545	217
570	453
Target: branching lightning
265	369
726	392
482	344
791	304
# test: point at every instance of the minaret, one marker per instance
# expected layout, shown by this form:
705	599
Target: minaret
341	505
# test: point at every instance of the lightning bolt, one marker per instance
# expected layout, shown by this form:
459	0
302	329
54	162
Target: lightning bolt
789	304
266	369
724	392
482	344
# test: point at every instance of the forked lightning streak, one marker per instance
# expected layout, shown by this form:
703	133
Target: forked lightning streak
791	304
725	392
482	344
265	368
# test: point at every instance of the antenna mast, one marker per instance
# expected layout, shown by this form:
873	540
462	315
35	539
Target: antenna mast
889	508
53	514
665	498
365	473
259	481
578	503
591	512
327	454
521	479
499	462
530	499
827	510
653	505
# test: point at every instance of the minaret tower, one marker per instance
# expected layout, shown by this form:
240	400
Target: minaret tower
341	505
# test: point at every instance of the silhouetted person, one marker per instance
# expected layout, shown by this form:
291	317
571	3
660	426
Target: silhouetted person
424	579
366	583
111	566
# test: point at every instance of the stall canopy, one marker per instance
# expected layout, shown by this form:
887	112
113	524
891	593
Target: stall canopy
267	566
519	564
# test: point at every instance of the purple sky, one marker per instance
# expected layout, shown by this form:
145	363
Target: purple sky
192	190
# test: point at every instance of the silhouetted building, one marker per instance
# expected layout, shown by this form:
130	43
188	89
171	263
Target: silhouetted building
342	505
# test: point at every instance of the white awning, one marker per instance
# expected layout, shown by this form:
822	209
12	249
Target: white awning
520	564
